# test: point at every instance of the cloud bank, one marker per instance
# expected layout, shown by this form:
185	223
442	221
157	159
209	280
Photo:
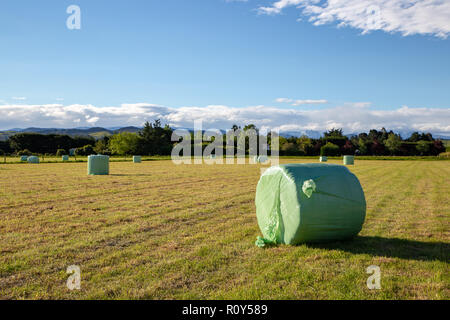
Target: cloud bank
407	17
356	117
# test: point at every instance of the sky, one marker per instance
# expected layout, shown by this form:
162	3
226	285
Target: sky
289	64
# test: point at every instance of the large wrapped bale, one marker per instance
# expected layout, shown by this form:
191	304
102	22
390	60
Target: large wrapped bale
137	159
24	158
65	158
98	165
349	160
323	159
298	203
33	159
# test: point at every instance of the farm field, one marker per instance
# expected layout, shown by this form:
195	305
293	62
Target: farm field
160	231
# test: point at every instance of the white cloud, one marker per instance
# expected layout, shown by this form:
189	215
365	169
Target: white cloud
407	17
19	98
294	102
351	117
302	102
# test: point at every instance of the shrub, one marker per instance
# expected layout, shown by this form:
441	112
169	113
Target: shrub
85	151
24	152
330	149
61	152
291	149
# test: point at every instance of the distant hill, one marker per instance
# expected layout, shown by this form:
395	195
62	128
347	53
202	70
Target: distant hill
96	132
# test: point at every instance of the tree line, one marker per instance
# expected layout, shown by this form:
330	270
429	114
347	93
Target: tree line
375	143
155	139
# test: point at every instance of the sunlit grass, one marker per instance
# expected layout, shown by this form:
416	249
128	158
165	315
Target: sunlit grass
159	231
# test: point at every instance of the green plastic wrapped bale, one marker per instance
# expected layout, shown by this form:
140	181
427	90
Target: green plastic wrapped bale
323	159
349	160
98	165
299	203
33	159
137	159
65	158
23	158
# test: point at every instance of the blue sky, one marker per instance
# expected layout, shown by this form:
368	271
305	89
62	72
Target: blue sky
198	53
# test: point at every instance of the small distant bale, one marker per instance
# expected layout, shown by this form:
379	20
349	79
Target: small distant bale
349	160
98	165
213	156
323	159
33	159
65	158
263	159
24	158
137	159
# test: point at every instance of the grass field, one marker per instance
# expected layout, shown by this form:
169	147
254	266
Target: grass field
159	231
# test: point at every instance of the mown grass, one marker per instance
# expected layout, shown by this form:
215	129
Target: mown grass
160	231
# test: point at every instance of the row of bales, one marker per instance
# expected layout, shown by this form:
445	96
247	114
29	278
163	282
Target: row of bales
348	160
99	164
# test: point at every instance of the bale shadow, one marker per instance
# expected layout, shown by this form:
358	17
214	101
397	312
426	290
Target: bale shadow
392	248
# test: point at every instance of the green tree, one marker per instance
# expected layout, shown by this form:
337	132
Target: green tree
415	137
124	143
333	133
87	150
393	143
363	146
329	149
155	139
423	147
102	146
305	144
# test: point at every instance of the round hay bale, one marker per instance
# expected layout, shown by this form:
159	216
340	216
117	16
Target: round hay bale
298	203
137	159
65	158
33	159
349	160
98	165
24	158
323	159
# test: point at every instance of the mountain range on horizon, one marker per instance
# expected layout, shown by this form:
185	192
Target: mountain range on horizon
99	132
